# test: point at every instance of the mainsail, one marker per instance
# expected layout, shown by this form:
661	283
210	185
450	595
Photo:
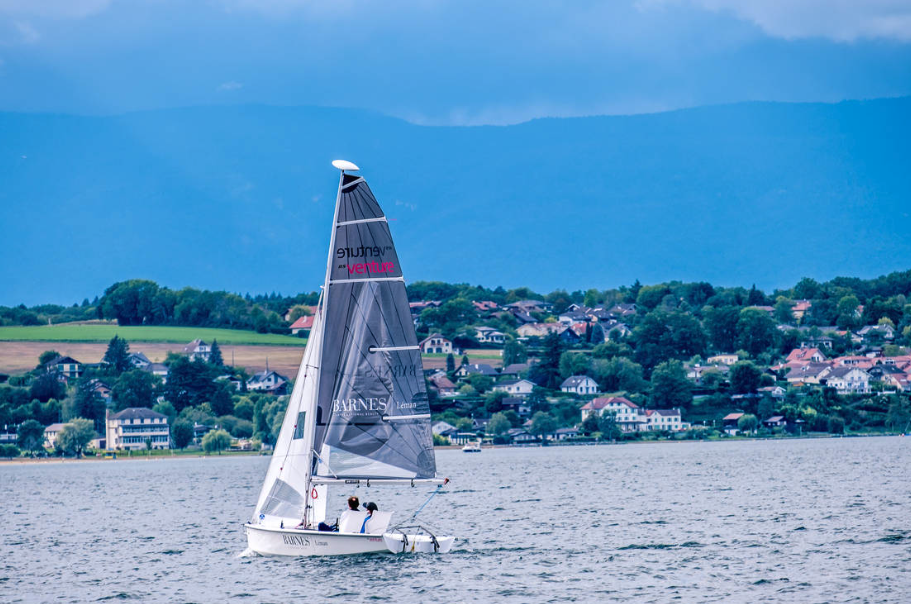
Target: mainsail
359	408
372	413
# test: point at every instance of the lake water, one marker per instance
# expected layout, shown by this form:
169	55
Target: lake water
747	521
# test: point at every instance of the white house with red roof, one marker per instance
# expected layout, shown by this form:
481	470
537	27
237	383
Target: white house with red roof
800	308
303	323
855	361
630	417
435	344
805	355
444	386
731	423
899	381
809	373
484	306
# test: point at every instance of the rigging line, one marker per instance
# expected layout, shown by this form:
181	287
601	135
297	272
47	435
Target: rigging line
432	495
328	467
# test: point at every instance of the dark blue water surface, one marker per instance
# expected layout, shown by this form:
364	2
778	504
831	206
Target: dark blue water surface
750	521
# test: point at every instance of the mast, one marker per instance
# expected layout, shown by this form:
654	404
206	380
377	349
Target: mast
310	417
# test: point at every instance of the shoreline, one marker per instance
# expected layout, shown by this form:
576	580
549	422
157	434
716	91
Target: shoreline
159	457
199	455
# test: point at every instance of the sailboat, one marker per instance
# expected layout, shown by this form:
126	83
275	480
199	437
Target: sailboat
358	413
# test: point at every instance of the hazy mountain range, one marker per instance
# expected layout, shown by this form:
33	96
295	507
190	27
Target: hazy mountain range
240	198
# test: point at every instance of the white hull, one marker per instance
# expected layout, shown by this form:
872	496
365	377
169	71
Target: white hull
294	542
398	543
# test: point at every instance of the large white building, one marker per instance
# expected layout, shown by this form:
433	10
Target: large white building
632	418
663	419
848	380
133	427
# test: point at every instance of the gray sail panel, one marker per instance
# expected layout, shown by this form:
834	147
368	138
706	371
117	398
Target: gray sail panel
356	201
364	250
283	501
363	390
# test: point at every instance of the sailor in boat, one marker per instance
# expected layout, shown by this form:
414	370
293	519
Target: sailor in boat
370	507
353	506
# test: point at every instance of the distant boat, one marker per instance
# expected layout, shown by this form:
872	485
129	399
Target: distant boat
472	447
359	413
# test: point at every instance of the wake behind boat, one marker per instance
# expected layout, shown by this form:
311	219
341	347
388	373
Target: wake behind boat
359	412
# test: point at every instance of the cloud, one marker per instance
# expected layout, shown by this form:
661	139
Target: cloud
517	113
281	8
27	33
406	204
55	9
838	20
229	86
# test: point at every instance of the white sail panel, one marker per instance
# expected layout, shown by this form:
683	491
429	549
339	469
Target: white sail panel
284	490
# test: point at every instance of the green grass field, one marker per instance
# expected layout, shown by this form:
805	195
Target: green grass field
102	333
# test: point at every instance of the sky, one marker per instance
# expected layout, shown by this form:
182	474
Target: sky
449	62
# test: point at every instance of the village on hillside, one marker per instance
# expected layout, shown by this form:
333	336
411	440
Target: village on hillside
678	361
762	398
